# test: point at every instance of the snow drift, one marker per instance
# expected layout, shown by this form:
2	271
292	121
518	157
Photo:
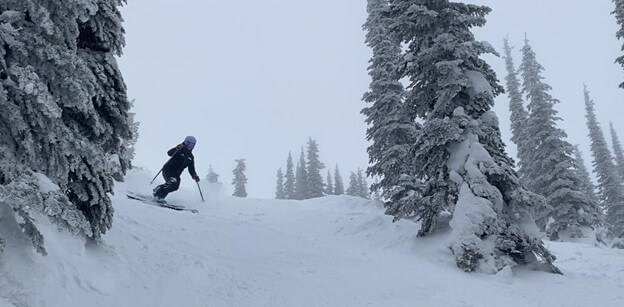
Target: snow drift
332	251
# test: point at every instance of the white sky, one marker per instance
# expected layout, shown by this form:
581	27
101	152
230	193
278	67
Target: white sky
253	79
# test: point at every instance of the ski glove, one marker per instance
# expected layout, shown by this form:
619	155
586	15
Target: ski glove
196	178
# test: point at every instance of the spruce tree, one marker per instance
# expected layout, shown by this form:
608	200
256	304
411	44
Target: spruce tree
391	126
617	151
212	177
313	171
329	184
301	178
240	179
363	190
551	169
619	16
279	187
587	185
354	185
66	128
338	183
289	184
519	114
610	189
458	155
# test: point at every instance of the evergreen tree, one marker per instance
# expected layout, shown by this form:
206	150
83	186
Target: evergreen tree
363	190
212	177
391	127
240	179
458	156
313	171
279	188
617	151
587	186
338	184
329	185
289	184
66	128
354	185
551	168
619	16
519	115
301	178
610	190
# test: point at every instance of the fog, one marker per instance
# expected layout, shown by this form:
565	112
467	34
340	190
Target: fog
255	79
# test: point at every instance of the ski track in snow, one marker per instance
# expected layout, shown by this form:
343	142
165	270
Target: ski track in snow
333	251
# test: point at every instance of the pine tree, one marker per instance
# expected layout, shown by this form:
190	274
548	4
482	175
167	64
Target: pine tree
301	178
391	126
338	183
279	188
329	185
363	190
619	16
458	156
240	179
64	113
519	115
610	189
212	177
313	171
551	168
617	151
289	184
586	185
354	185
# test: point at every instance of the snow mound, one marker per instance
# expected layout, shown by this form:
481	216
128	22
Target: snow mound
332	251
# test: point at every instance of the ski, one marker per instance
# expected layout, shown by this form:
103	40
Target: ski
148	200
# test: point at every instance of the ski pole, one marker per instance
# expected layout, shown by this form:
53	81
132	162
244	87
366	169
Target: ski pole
161	169
200	191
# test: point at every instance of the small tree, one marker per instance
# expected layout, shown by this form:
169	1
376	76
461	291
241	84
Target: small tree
354	185
240	179
212	177
313	171
338	184
617	151
279	188
362	185
329	184
301	178
289	184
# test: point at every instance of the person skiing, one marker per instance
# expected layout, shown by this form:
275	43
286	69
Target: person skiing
181	158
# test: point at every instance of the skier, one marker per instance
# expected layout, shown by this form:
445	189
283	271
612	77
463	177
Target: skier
181	158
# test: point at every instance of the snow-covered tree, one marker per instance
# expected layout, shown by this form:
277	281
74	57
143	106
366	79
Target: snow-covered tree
617	151
64	113
363	189
586	185
391	126
519	114
619	16
289	184
212	177
301	178
279	186
550	170
240	179
354	185
338	183
610	189
329	184
458	155
313	171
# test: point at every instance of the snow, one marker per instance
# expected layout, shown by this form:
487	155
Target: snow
332	251
45	184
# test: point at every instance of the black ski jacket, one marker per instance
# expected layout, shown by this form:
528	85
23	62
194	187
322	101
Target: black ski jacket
181	158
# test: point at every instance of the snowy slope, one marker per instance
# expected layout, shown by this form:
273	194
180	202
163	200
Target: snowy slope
334	251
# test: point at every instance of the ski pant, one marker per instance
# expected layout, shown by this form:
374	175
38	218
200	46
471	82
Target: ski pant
171	184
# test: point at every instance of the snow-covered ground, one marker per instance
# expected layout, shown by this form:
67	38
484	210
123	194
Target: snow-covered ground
334	251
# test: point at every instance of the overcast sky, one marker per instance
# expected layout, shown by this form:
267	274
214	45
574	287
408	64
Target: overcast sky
254	79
